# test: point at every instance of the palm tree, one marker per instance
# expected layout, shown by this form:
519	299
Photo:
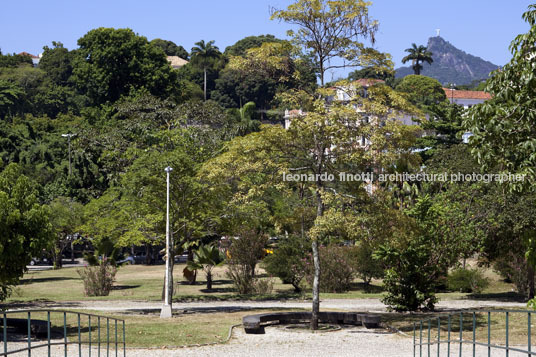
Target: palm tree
203	53
207	257
418	55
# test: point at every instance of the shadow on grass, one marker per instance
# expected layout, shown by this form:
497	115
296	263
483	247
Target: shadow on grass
124	287
44	280
367	289
280	295
217	290
214	282
503	297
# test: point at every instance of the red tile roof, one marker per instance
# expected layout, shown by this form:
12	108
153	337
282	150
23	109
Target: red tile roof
466	94
28	54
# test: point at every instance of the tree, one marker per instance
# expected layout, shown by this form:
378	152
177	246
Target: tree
170	48
12	61
114	62
24	223
207	257
240	47
202	54
331	29
370	72
57	63
9	94
503	127
321	142
422	91
418	55
66	216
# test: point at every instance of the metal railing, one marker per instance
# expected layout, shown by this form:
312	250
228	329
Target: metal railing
453	333
69	328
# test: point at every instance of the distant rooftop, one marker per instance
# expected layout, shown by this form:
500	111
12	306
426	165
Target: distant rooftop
466	94
29	55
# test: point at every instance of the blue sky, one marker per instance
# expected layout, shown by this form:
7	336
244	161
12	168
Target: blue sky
480	27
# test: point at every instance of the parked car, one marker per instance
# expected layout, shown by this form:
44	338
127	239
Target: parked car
128	260
40	261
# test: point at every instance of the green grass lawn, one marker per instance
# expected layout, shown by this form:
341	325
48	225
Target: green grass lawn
144	282
147	330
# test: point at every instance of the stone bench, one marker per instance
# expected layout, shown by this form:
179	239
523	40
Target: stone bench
254	324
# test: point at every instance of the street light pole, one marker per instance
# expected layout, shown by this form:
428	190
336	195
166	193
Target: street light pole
69	136
166	309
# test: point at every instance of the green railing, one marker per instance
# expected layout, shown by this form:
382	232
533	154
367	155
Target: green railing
61	328
452	331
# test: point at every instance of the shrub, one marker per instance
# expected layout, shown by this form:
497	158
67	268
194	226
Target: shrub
336	272
243	255
263	286
364	265
287	262
514	269
467	281
410	280
98	280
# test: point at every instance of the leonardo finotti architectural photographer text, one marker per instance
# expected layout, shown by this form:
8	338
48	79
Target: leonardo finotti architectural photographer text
405	177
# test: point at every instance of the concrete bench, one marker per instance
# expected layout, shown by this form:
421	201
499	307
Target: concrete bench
254	324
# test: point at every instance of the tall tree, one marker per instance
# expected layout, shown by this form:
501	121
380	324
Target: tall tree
317	144
504	133
203	53
24	224
114	62
418	55
65	217
330	30
170	48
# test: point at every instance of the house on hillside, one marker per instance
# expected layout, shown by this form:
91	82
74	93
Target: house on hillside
176	62
35	59
466	98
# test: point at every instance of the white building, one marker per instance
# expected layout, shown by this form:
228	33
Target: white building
466	98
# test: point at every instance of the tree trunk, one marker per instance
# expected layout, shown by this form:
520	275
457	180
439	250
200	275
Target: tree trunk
72	250
316	263
209	280
57	255
194	272
316	287
530	276
205	83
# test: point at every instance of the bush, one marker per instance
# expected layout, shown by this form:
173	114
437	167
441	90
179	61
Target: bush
514	269
98	280
243	255
336	272
467	281
364	265
410	280
263	286
287	262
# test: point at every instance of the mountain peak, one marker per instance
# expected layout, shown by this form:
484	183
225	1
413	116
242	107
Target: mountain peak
451	65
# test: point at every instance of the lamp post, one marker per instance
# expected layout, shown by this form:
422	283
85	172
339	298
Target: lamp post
69	136
166	308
